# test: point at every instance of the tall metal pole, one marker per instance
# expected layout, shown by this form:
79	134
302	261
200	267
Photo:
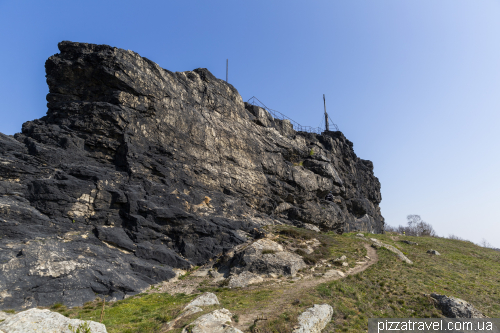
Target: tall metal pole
227	64
327	125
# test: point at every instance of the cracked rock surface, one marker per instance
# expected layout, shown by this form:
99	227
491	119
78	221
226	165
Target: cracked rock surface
136	171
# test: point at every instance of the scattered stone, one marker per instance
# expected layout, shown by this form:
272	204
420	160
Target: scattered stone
334	273
318	274
367	257
360	262
218	321
170	325
360	235
408	242
214	274
203	300
434	252
345	264
45	321
378	244
244	279
339	261
456	308
200	273
312	227
264	257
314	319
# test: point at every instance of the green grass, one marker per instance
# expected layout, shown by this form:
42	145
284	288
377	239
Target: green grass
140	313
390	288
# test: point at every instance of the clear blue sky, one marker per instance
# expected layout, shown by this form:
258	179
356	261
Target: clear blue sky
415	84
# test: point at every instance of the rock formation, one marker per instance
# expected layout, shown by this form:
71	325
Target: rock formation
136	170
46	321
453	307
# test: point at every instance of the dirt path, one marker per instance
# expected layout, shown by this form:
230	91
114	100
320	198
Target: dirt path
290	292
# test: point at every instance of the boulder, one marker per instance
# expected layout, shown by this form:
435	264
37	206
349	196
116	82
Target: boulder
314	319
434	252
339	261
265	256
378	244
187	312
333	273
408	242
46	321
205	299
218	321
312	227
360	235
456	308
244	279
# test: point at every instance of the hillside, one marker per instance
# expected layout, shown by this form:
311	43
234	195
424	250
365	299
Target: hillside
383	286
136	172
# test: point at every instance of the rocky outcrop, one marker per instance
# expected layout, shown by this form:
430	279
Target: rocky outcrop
314	319
244	279
378	244
217	321
45	321
456	308
193	307
205	299
265	257
136	171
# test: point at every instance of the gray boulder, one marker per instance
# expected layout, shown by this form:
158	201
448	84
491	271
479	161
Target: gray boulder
218	321
205	299
456	308
333	273
244	279
378	244
267	257
45	321
314	319
434	252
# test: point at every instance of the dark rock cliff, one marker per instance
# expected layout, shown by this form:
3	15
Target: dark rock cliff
136	171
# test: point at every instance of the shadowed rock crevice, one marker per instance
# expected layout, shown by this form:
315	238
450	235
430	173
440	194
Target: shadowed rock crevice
136	170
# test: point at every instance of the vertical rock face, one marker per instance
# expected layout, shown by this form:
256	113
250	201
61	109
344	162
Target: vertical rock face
136	170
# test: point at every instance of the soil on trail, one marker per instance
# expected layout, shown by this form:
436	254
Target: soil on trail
291	292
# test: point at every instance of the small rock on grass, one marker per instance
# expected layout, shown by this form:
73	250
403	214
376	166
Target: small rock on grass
434	252
218	321
205	299
45	321
334	273
314	319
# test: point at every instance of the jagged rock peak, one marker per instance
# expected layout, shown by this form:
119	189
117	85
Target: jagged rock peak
136	171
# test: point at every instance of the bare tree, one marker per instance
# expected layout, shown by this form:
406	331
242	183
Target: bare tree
484	243
416	227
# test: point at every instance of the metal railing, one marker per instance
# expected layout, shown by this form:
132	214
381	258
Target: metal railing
296	126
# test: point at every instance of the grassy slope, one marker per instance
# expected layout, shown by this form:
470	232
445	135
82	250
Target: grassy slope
390	288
